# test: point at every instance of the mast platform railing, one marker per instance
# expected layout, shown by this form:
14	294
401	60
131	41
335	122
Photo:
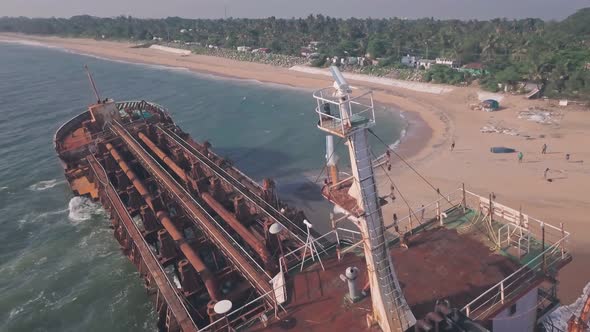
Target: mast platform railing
347	115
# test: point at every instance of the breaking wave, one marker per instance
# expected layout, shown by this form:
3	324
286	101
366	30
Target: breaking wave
44	185
402	135
27	42
82	208
561	315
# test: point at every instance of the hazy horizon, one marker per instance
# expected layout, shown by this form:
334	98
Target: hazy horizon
442	9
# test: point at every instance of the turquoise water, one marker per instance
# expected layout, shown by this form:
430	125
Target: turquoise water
60	268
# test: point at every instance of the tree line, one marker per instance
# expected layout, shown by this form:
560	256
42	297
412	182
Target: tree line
554	55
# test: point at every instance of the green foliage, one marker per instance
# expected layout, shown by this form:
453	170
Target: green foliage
490	84
551	54
377	47
444	74
391	61
509	74
319	62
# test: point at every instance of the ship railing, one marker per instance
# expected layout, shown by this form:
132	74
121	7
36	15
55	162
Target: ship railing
418	217
529	231
181	199
67	127
349	239
236	320
515	222
358	107
516	229
521	280
135	104
506	219
153	256
233	318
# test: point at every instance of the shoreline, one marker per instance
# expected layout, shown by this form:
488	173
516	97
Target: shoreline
406	144
434	120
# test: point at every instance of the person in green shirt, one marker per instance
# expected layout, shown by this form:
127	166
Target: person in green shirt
520	156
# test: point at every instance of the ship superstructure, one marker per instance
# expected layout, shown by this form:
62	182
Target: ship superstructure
219	251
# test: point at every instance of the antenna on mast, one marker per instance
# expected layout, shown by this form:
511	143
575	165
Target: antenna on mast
92	83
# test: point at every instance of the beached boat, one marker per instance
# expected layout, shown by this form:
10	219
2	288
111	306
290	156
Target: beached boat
219	251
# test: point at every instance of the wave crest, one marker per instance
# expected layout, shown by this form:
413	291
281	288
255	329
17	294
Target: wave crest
44	185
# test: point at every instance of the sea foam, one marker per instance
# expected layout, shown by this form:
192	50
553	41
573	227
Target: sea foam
44	185
82	208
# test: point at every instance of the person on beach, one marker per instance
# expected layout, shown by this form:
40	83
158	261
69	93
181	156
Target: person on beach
567	156
545	173
392	194
453	145
388	155
544	149
520	156
395	225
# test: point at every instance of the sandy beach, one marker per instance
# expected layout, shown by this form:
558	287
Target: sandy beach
434	121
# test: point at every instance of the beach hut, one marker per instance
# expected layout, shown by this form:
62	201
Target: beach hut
490	105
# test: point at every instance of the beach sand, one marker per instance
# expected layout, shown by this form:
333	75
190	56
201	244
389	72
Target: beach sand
435	120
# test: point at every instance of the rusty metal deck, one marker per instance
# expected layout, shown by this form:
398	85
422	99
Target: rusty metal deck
318	299
78	138
164	287
264	206
443	264
245	265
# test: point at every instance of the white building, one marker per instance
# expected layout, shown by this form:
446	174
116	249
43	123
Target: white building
425	63
410	60
244	49
447	62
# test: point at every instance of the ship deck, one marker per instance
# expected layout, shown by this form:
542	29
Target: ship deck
443	264
317	299
440	263
78	138
455	262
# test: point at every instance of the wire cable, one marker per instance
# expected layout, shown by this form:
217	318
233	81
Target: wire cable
410	166
399	192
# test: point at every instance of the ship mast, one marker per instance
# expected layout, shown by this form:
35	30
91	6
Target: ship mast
352	119
91	79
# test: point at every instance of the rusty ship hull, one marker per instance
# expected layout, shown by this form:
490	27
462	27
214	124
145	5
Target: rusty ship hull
218	251
178	209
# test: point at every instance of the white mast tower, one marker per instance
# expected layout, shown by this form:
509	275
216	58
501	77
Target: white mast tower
350	117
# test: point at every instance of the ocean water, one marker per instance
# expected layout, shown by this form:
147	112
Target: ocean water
60	267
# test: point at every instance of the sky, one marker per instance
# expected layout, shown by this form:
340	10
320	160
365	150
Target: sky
461	9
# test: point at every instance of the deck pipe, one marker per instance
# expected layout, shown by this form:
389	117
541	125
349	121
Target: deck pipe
214	204
190	254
